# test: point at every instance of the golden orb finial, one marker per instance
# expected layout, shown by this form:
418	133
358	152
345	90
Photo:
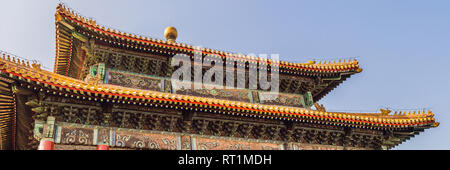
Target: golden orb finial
171	34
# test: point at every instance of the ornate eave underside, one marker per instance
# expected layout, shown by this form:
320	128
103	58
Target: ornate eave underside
322	92
7	114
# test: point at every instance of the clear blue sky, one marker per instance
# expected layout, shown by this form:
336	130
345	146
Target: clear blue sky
403	46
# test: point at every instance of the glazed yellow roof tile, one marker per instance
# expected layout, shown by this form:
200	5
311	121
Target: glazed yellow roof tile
340	66
34	73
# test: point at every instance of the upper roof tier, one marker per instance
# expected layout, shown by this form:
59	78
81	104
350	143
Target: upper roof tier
71	19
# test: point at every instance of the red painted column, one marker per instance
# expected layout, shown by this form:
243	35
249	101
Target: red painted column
46	144
102	147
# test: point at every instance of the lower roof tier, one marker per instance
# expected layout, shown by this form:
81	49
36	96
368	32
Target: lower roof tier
53	83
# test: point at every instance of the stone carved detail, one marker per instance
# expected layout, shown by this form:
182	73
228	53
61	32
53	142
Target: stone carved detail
281	99
263	147
81	136
121	140
129	62
204	143
207	145
171	143
238	147
218	92
186	142
134	81
103	136
302	146
139	140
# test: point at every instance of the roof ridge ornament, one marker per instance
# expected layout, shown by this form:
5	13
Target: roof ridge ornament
385	112
170	33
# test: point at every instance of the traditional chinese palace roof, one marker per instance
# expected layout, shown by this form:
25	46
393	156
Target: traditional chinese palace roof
60	82
337	71
66	86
